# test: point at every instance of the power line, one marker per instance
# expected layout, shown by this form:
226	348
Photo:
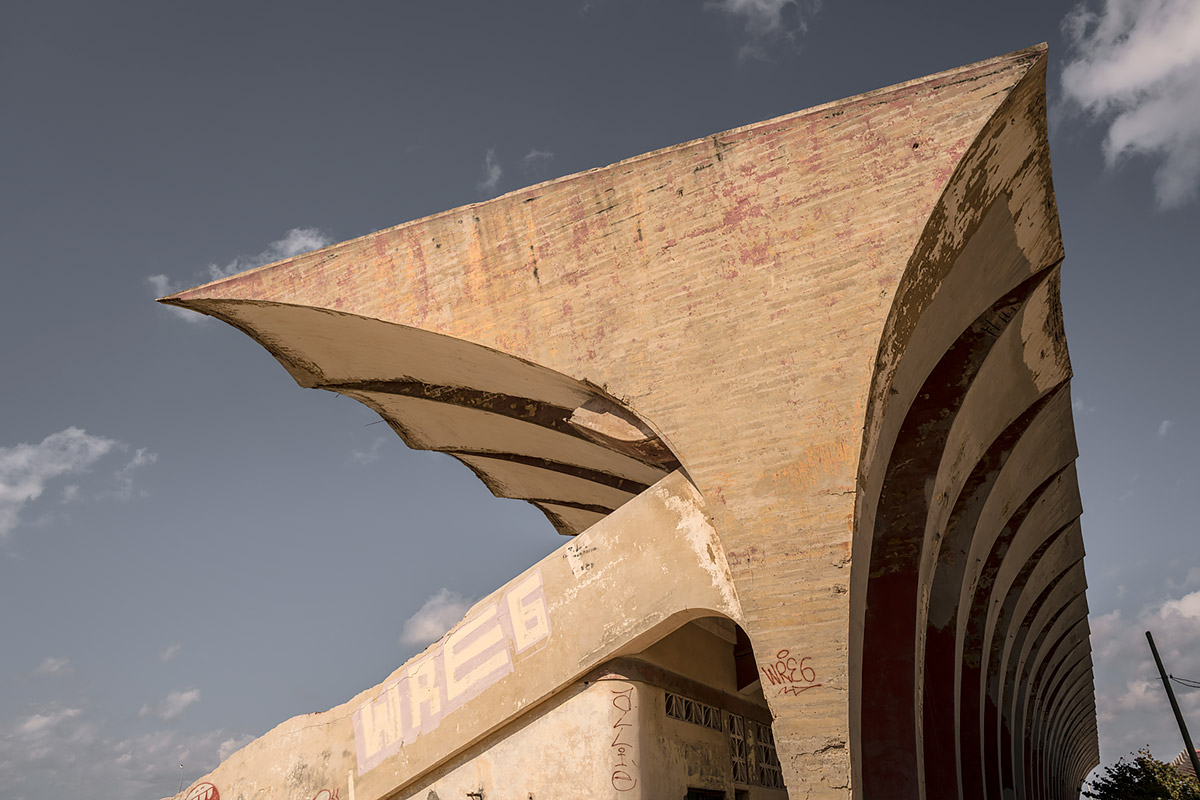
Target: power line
1185	682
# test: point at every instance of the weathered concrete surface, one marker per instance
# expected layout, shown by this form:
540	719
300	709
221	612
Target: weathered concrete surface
618	588
841	323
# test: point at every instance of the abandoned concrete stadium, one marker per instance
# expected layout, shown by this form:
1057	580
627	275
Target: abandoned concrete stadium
799	394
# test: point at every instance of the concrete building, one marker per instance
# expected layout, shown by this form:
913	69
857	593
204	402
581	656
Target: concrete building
799	394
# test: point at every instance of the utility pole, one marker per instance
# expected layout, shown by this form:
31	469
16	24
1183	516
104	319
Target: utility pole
1187	740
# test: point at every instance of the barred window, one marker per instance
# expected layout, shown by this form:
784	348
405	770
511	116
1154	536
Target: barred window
693	711
739	753
767	769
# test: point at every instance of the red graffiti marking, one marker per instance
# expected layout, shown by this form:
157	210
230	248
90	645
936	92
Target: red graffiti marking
203	791
622	779
327	794
790	674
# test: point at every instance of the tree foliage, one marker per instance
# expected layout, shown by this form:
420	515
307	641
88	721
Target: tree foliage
1140	776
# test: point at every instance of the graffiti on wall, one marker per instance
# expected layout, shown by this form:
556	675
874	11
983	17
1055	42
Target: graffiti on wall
203	791
790	674
479	651
624	776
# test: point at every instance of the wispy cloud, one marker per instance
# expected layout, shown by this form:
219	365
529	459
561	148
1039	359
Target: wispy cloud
1164	428
768	22
172	706
536	158
62	751
169	652
26	469
1135	67
440	612
141	458
37	726
232	745
295	242
370	454
53	666
491	174
1131	703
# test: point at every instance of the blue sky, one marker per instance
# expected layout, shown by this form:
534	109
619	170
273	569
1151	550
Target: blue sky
193	549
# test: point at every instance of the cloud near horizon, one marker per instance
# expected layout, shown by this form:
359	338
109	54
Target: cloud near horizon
61	749
1130	701
296	241
1135	67
440	612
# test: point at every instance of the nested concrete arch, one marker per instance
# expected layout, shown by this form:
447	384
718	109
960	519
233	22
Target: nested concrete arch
1025	448
1062	630
839	328
1038	457
1042	724
1052	771
1069	632
1056	722
1026	681
1039	741
1056	748
1055	557
1079	713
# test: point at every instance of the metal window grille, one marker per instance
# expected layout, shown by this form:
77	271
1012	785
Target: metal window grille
693	711
739	753
767	769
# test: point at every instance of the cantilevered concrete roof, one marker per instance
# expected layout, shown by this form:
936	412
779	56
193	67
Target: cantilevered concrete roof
843	327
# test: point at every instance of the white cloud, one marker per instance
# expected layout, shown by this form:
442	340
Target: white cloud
1186	607
1164	427
1081	407
52	666
440	612
172	706
768	21
38	726
170	652
535	157
26	469
1135	66
141	457
491	173
58	751
164	286
369	455
232	745
1130	699
294	243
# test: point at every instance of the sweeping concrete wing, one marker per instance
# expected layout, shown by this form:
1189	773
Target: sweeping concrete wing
842	329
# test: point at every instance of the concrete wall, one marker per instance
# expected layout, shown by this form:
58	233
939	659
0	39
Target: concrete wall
610	737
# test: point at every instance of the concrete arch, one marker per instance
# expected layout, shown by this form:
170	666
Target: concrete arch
998	720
